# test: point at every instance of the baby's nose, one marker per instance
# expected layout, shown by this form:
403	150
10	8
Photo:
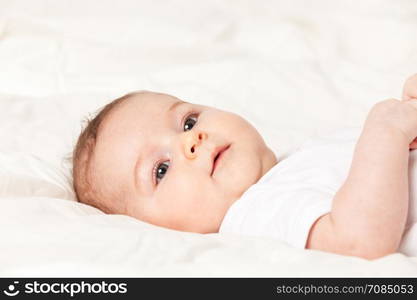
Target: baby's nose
192	140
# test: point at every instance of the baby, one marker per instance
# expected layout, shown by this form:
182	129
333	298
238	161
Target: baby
192	167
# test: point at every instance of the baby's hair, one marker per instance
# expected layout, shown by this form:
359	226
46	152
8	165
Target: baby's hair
85	189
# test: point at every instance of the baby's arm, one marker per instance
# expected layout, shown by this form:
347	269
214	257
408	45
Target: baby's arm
369	211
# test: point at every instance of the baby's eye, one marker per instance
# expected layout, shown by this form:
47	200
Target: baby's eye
190	122
161	170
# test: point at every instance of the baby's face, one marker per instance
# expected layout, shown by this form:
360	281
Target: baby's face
161	157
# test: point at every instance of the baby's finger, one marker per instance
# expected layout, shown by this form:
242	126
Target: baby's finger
410	88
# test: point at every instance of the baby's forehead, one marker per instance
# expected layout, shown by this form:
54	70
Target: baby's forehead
144	100
140	105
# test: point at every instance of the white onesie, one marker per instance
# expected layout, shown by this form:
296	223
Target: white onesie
291	196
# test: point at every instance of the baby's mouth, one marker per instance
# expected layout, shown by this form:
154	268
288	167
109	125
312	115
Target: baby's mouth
217	156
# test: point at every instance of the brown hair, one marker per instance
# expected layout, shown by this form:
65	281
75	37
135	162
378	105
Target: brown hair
85	189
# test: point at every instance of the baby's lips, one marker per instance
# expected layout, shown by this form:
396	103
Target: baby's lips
217	152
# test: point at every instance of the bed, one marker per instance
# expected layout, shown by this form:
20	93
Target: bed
296	69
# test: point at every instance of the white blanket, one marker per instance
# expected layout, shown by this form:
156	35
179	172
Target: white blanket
295	69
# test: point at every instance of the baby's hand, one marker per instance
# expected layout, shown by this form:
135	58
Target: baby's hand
398	117
410	88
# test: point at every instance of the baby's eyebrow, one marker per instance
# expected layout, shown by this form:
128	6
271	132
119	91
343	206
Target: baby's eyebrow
174	105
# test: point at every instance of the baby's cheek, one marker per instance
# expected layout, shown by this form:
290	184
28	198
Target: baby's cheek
185	187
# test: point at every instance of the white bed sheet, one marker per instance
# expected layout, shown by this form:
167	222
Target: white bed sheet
295	69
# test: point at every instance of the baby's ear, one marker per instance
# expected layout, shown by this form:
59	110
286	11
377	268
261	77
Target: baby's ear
410	88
